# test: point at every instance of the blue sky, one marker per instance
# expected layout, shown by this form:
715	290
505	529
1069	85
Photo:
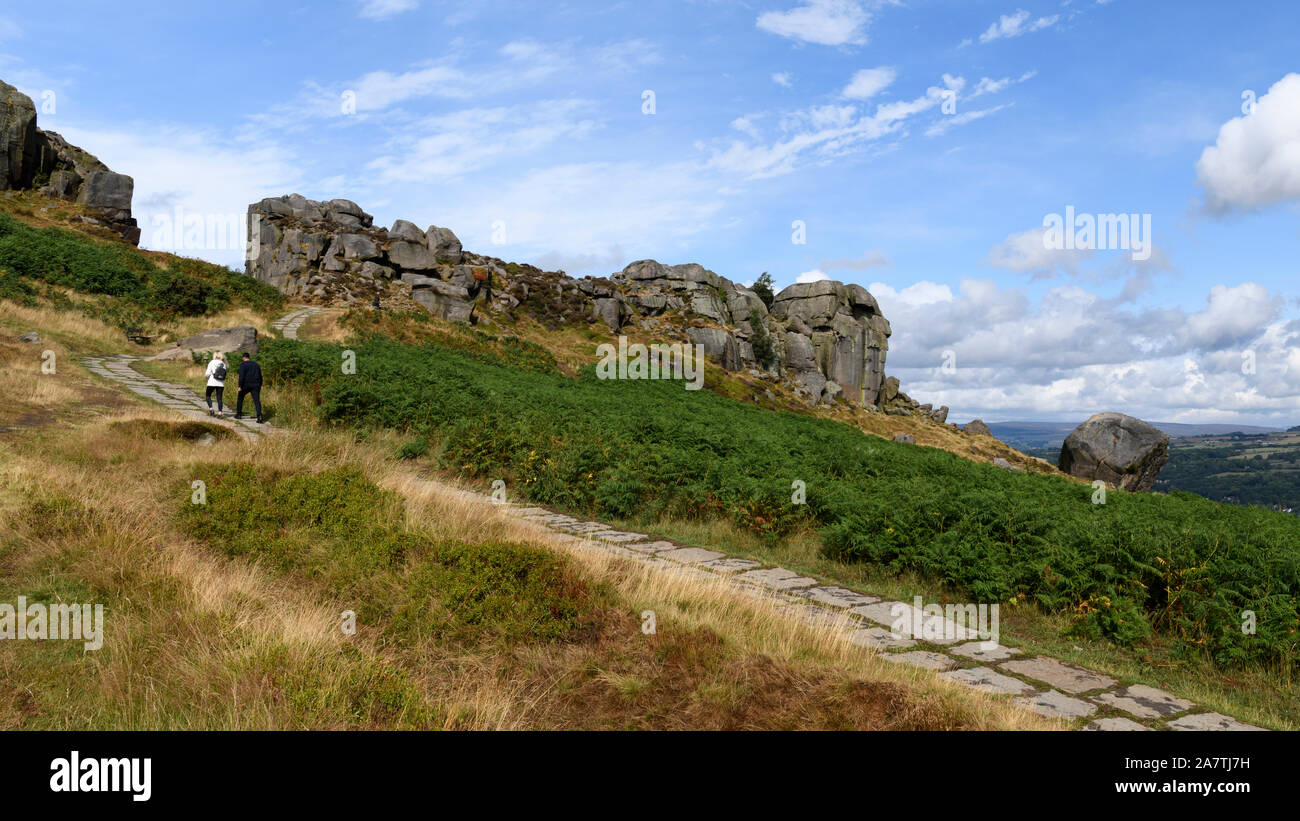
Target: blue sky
919	145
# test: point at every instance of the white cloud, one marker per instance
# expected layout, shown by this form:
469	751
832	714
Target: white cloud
1074	353
825	22
526	63
439	148
1256	159
1028	252
782	78
1014	25
811	276
869	82
823	133
1232	315
203	174
383	9
965	117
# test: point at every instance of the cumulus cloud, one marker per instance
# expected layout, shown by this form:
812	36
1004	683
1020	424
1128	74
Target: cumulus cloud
1256	160
1075	352
824	22
782	78
1028	253
811	276
1014	25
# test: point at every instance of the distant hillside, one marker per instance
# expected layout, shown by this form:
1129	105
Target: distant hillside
1039	435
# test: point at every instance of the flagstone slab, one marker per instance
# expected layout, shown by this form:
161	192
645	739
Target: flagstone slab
989	651
877	638
618	536
1062	676
838	596
912	622
777	578
1054	704
988	680
925	659
690	555
1144	702
732	565
1116	724
814	615
1210	721
651	547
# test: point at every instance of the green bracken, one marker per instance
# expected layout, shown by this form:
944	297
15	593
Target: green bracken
1180	565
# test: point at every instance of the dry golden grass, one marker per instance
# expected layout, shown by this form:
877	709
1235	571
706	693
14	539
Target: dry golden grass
199	640
324	327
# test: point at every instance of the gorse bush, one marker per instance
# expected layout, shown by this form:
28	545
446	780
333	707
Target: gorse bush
1180	565
145	291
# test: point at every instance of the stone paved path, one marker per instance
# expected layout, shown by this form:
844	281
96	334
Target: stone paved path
1085	698
288	325
179	398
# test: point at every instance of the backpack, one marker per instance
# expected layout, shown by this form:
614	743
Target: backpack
219	372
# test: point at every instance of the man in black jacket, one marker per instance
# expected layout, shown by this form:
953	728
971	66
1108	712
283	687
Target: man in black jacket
250	382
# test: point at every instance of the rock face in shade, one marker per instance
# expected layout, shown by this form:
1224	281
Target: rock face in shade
32	159
1120	450
827	340
977	427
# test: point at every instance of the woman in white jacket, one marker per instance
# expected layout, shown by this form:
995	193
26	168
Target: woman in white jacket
216	374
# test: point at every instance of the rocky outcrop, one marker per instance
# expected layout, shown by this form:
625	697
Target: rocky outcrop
331	252
228	340
1118	449
847	337
828	340
32	159
976	427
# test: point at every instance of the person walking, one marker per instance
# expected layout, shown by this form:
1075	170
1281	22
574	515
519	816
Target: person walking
216	374
250	382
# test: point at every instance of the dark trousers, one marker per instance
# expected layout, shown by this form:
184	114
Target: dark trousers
256	393
208	396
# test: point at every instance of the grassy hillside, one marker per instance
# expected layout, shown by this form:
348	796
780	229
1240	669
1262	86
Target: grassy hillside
1178	565
45	254
228	615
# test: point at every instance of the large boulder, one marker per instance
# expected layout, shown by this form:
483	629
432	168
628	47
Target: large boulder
1118	449
227	340
976	427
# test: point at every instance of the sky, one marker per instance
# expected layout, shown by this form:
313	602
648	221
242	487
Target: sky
929	150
